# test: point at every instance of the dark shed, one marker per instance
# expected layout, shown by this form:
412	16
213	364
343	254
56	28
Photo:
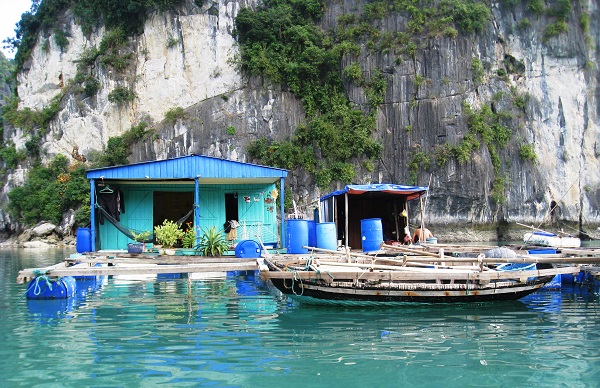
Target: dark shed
348	206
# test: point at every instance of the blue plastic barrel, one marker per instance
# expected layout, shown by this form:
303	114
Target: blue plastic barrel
312	233
327	235
43	288
297	236
371	234
83	242
248	249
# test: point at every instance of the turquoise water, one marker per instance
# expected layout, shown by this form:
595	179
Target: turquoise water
236	332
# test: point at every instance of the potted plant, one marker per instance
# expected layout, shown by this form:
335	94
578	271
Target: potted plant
139	238
213	242
168	234
188	241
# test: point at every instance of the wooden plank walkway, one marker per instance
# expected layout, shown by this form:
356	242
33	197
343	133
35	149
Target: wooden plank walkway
137	265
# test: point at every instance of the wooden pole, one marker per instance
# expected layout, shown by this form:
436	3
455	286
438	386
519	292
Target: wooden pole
346	216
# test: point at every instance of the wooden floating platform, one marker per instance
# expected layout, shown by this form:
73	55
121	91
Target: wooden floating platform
396	257
87	265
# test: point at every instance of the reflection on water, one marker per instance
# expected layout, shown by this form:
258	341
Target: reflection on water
236	331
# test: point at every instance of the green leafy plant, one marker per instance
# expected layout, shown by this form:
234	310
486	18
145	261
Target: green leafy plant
172	42
141	236
189	236
61	39
527	152
168	234
213	242
478	72
118	148
49	192
121	94
174	114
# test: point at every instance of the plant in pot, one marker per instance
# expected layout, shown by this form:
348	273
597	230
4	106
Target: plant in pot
168	234
188	241
139	238
213	242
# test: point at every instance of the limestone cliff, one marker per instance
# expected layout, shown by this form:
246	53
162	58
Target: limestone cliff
186	59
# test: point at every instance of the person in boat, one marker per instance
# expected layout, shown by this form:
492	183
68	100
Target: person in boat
421	235
407	238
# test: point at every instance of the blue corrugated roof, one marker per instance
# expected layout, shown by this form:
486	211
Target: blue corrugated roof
411	192
189	167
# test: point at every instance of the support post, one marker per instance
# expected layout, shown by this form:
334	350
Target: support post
197	209
282	210
93	213
346	221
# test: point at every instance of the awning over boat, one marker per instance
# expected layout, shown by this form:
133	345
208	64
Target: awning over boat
411	192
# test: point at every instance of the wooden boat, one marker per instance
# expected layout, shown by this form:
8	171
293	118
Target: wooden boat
368	281
548	239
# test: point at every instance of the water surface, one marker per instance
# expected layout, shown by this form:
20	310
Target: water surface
235	331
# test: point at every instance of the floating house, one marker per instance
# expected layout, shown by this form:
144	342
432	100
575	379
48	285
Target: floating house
353	204
198	191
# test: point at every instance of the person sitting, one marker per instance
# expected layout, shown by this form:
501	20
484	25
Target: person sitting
421	235
407	239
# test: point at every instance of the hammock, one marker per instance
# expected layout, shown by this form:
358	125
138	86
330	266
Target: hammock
127	232
180	221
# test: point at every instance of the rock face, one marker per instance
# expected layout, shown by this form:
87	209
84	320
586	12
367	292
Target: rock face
184	59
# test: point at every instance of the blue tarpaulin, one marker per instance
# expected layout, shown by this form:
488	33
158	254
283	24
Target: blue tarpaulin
411	192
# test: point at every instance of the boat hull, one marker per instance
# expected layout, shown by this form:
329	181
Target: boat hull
551	240
305	292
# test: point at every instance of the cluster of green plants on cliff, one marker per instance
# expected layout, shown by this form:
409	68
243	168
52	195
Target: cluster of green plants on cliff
281	42
486	126
34	123
51	191
118	148
128	15
558	12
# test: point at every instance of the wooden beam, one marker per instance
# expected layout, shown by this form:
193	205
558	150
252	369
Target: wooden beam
421	275
144	269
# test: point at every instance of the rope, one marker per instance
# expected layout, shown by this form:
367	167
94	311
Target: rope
301	285
37	288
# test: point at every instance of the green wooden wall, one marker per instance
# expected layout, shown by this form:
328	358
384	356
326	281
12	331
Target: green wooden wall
256	216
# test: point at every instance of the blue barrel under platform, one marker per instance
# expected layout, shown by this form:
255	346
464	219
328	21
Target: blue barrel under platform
43	288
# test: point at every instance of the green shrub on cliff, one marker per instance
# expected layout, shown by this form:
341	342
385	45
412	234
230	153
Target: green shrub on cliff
49	192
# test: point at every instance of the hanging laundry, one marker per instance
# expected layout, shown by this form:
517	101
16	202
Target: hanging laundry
113	202
231	229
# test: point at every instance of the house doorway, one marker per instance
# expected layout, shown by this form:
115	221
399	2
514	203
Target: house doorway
231	207
173	206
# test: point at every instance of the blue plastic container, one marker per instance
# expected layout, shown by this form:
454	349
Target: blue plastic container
542	251
371	234
41	288
312	233
327	236
248	249
297	236
83	242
